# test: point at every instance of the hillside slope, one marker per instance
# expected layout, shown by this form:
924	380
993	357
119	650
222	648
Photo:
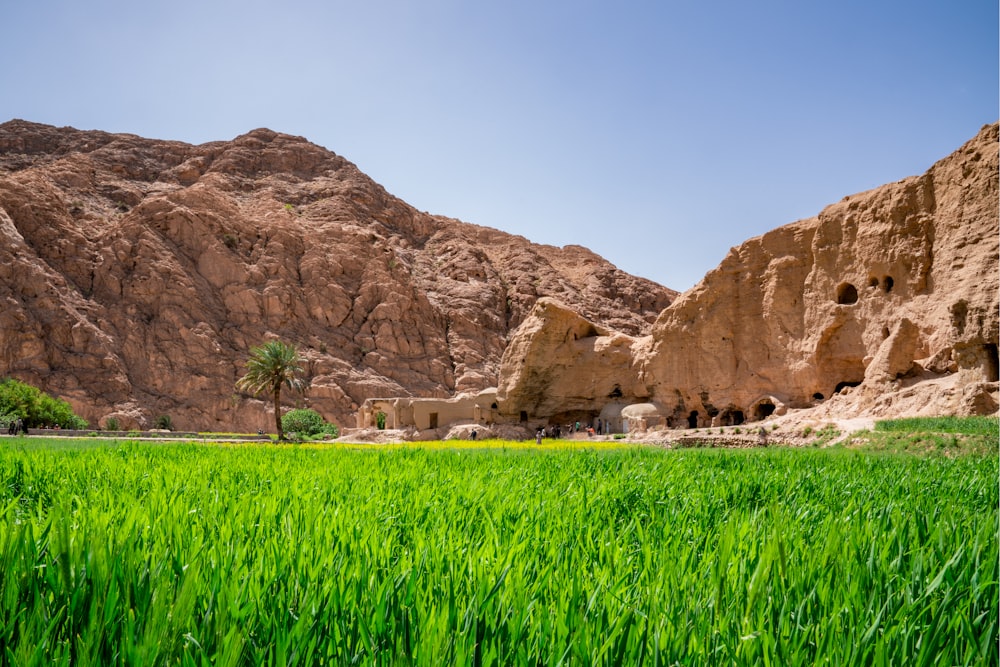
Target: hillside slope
135	275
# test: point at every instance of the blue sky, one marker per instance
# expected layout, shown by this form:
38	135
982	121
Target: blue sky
658	134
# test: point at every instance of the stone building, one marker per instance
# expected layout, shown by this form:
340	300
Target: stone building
429	413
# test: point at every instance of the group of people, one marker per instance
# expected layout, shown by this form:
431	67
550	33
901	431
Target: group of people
16	426
556	431
597	428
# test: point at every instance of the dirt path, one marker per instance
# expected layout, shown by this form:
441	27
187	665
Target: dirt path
849	427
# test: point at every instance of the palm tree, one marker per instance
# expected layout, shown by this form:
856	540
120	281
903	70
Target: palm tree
270	366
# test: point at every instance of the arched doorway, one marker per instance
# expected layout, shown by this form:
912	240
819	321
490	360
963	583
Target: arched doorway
763	410
731	417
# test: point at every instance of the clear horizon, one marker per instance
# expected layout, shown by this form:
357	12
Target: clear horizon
657	134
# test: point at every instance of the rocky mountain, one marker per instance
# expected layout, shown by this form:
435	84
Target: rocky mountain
885	304
136	274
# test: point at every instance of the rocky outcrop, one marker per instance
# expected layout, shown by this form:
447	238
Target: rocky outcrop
559	363
885	303
136	274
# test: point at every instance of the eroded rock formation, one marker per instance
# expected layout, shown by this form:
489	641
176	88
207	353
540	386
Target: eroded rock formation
886	303
136	274
562	366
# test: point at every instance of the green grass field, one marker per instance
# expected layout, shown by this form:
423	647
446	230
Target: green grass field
989	426
949	436
493	554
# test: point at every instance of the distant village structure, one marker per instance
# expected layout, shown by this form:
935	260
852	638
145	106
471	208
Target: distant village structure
483	409
429	413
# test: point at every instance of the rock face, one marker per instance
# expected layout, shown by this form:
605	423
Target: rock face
895	290
560	365
136	274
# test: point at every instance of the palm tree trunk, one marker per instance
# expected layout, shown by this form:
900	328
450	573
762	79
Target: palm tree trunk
277	412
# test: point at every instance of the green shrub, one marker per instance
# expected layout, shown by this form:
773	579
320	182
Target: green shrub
112	424
164	422
35	407
307	423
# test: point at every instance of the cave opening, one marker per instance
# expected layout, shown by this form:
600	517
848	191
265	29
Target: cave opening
959	313
847	294
763	410
731	417
992	363
693	419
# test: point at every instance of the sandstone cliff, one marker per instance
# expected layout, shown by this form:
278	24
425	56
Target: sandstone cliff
136	274
886	303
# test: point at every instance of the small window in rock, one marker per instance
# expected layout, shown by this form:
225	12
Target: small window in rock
873	282
887	284
616	392
693	419
885	332
847	294
959	313
524	416
818	396
992	362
